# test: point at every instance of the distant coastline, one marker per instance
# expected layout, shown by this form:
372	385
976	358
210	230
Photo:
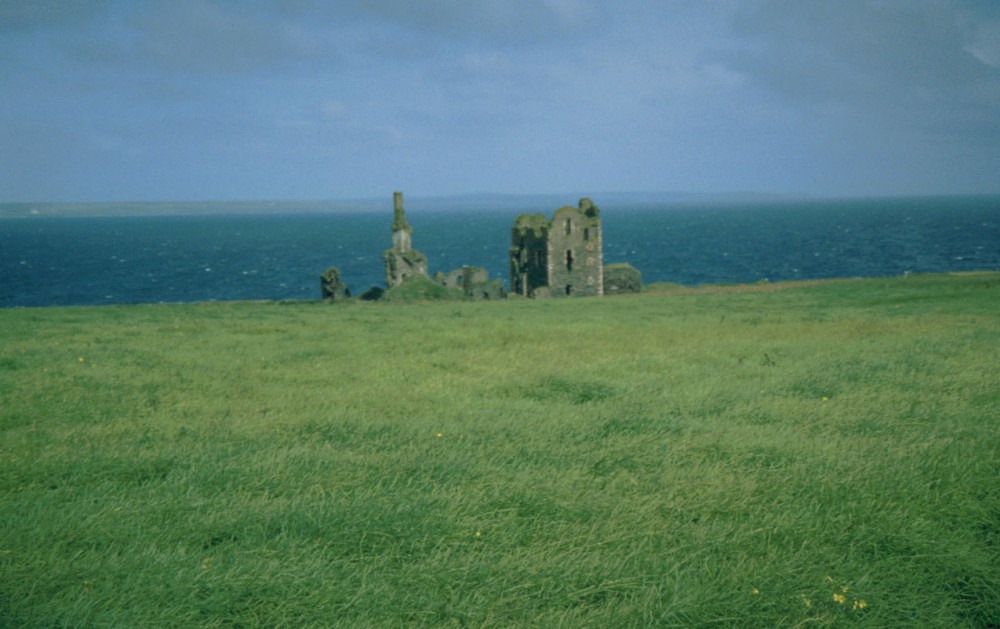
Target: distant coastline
460	202
451	203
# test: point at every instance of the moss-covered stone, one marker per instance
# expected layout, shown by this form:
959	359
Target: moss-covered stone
563	255
622	278
536	224
421	288
473	281
399	222
402	261
332	287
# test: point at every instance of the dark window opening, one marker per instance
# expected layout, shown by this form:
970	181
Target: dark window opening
569	259
569	226
539	257
569	289
586	233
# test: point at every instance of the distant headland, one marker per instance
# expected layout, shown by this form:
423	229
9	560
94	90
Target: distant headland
460	202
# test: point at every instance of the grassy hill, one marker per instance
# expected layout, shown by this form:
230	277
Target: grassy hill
776	455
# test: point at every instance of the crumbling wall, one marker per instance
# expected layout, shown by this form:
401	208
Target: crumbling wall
402	261
332	287
473	281
400	266
529	254
575	252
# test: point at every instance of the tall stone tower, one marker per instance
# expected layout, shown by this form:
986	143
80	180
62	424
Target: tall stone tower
576	258
402	261
563	257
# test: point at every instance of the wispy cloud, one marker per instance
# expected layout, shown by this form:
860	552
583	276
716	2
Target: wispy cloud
300	97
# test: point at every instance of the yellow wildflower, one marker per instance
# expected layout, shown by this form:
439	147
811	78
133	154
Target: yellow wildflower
754	591
806	600
860	604
440	434
840	598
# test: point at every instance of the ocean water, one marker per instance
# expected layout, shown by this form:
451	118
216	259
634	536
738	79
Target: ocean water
48	261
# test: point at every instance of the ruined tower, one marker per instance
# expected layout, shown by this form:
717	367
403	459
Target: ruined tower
561	257
402	261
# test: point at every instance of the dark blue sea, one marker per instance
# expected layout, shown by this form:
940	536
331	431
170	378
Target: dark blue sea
57	261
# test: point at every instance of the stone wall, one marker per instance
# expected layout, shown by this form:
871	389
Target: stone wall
575	253
529	254
402	261
473	281
332	287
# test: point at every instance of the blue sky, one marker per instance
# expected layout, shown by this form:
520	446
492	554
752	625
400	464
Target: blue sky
107	100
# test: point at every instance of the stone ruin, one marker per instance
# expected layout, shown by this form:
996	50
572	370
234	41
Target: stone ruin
402	261
561	257
332	286
473	281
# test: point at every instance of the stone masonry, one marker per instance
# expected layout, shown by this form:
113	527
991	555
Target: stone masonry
402	261
562	257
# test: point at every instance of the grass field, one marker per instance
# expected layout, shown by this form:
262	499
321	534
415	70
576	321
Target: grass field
786	455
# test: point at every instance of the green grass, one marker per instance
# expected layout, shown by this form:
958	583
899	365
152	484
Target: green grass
724	456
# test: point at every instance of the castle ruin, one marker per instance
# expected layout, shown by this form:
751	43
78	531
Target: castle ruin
402	261
561	257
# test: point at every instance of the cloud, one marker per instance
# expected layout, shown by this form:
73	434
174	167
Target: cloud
856	49
870	65
33	15
510	21
201	37
512	94
985	43
876	86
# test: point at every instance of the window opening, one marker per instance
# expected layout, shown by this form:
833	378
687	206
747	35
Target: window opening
569	289
569	259
569	226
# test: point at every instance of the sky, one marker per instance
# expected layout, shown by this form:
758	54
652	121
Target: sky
157	100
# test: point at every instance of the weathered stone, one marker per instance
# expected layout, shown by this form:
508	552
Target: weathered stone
622	278
332	287
402	261
473	281
564	255
494	289
421	288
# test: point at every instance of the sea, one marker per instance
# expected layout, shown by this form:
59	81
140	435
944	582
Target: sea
279	254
